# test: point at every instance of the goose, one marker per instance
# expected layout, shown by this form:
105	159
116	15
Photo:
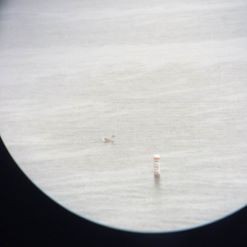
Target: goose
108	140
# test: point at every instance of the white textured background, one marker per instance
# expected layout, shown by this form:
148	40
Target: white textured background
166	77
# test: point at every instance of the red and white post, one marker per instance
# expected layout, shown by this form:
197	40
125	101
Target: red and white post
156	164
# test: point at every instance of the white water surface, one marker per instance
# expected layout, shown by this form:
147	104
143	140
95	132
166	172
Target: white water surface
166	77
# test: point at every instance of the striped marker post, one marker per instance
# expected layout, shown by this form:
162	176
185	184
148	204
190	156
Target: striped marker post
156	163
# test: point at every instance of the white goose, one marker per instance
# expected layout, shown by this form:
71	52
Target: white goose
108	139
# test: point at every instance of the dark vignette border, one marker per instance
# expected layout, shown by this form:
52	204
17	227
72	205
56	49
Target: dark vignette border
30	218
